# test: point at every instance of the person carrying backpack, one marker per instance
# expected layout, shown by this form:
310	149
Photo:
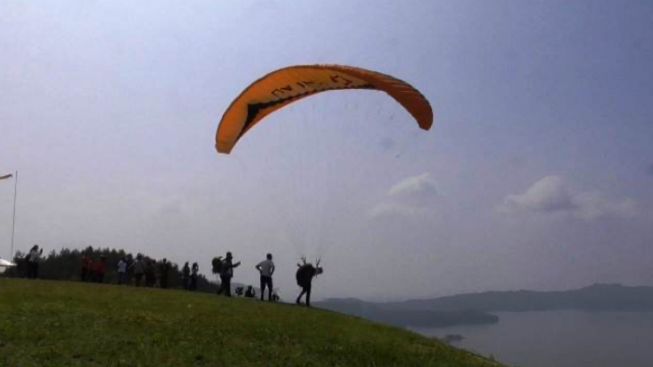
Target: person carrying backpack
304	276
226	273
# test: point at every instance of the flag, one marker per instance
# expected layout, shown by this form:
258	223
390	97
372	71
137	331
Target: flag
6	176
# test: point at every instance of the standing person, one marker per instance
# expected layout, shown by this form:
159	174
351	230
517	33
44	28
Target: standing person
185	275
304	276
226	273
87	266
33	259
138	269
150	272
164	268
193	276
266	269
100	268
122	270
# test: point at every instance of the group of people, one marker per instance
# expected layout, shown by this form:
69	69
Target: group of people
143	270
304	276
93	270
147	271
189	276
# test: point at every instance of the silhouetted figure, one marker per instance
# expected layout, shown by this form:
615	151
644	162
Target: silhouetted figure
100	269
305	273
150	272
138	269
250	293
266	269
216	266
226	273
185	276
33	259
239	291
194	272
87	268
164	269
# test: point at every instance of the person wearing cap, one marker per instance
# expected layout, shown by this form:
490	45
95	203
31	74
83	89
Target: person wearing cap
226	273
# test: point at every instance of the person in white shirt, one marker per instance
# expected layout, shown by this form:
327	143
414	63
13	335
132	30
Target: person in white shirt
122	271
266	268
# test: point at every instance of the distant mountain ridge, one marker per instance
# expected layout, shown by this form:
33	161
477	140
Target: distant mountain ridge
597	297
475	308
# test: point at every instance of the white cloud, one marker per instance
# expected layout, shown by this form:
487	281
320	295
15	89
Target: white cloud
416	187
593	205
409	197
553	194
547	195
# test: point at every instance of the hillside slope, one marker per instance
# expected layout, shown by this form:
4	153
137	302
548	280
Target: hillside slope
50	323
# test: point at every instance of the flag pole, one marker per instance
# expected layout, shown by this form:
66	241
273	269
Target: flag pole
13	222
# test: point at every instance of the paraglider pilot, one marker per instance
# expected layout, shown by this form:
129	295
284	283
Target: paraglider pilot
305	273
226	273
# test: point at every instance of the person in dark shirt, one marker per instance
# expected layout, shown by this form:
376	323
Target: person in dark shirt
138	269
250	293
185	276
226	273
304	276
164	269
193	276
150	272
87	267
33	258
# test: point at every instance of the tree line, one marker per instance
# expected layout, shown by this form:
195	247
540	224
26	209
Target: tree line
66	264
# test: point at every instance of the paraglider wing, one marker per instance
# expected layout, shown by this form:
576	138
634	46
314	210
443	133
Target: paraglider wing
283	86
6	263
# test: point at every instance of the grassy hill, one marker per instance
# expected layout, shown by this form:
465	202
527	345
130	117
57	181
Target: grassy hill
52	323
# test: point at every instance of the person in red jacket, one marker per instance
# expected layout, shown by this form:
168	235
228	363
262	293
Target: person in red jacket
100	268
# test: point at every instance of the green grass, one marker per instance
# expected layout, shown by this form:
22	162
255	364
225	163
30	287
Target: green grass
51	323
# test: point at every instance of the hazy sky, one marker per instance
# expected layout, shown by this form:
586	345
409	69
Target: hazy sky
538	171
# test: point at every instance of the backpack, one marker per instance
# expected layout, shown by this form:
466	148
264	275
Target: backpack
217	265
304	275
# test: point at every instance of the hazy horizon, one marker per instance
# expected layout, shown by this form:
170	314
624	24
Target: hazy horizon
537	173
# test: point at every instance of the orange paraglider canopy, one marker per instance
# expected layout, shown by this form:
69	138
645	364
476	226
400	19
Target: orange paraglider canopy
281	87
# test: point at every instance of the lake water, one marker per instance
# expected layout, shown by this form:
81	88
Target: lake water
560	338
